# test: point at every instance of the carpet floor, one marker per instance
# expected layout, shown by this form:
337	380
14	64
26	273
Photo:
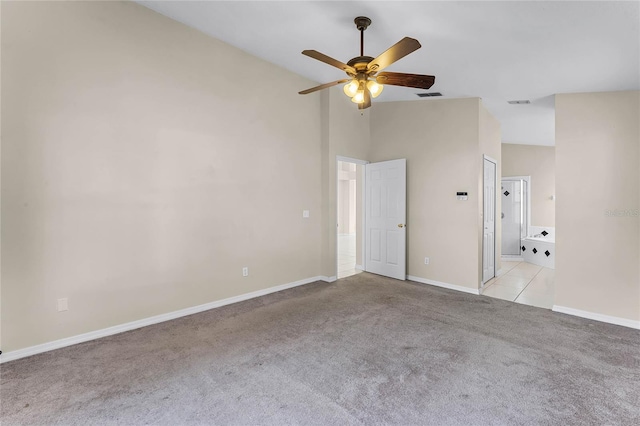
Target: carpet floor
363	350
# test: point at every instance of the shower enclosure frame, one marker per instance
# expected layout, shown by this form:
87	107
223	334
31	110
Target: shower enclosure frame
526	215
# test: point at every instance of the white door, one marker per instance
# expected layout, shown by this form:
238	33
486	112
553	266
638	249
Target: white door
385	218
489	219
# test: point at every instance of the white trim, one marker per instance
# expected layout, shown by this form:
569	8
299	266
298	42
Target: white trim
351	160
360	267
328	279
444	285
109	331
597	317
493	160
485	157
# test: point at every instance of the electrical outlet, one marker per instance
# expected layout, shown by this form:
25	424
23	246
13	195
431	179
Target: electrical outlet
305	213
245	271
63	304
426	260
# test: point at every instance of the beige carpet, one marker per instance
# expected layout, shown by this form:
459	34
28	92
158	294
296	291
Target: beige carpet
363	350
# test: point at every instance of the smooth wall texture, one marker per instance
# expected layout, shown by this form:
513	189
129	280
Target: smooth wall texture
440	140
539	162
490	136
598	188
345	132
140	173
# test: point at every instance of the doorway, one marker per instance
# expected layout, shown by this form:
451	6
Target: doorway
350	178
371	217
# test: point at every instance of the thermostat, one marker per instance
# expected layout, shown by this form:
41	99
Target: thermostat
462	196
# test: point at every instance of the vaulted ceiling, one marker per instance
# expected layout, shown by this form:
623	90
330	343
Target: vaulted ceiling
498	50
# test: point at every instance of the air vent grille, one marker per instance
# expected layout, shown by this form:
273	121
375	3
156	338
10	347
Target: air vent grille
521	102
428	95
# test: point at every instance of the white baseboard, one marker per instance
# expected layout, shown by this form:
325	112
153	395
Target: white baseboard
109	331
327	279
360	267
597	317
444	285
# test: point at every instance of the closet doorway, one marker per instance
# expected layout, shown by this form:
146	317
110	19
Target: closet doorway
350	209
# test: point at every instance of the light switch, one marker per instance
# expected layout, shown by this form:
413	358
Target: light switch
63	304
305	213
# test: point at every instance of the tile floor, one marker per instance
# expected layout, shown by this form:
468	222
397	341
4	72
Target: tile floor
524	283
347	255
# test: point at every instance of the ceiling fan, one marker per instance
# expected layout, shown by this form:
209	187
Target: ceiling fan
365	79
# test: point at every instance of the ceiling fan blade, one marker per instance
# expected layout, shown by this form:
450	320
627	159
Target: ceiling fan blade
407	80
367	100
394	53
329	60
323	86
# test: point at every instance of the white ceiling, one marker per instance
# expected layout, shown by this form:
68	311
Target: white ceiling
497	50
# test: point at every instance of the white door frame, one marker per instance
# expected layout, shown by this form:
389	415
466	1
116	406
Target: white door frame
495	182
362	213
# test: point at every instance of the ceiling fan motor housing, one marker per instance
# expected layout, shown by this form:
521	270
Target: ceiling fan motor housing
362	22
360	63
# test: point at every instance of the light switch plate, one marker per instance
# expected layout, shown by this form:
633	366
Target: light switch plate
305	213
63	304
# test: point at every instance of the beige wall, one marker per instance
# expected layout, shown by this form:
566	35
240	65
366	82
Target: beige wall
539	162
490	144
345	132
140	174
440	140
598	170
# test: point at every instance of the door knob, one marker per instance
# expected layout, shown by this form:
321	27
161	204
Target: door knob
400	225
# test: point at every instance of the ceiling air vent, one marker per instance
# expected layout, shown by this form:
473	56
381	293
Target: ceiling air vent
522	102
429	95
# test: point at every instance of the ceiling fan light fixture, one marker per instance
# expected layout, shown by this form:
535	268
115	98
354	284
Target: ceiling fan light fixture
351	88
365	79
358	98
375	88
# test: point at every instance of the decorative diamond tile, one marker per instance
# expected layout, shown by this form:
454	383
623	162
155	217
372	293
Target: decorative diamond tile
524	248
534	250
506	193
547	253
545	233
